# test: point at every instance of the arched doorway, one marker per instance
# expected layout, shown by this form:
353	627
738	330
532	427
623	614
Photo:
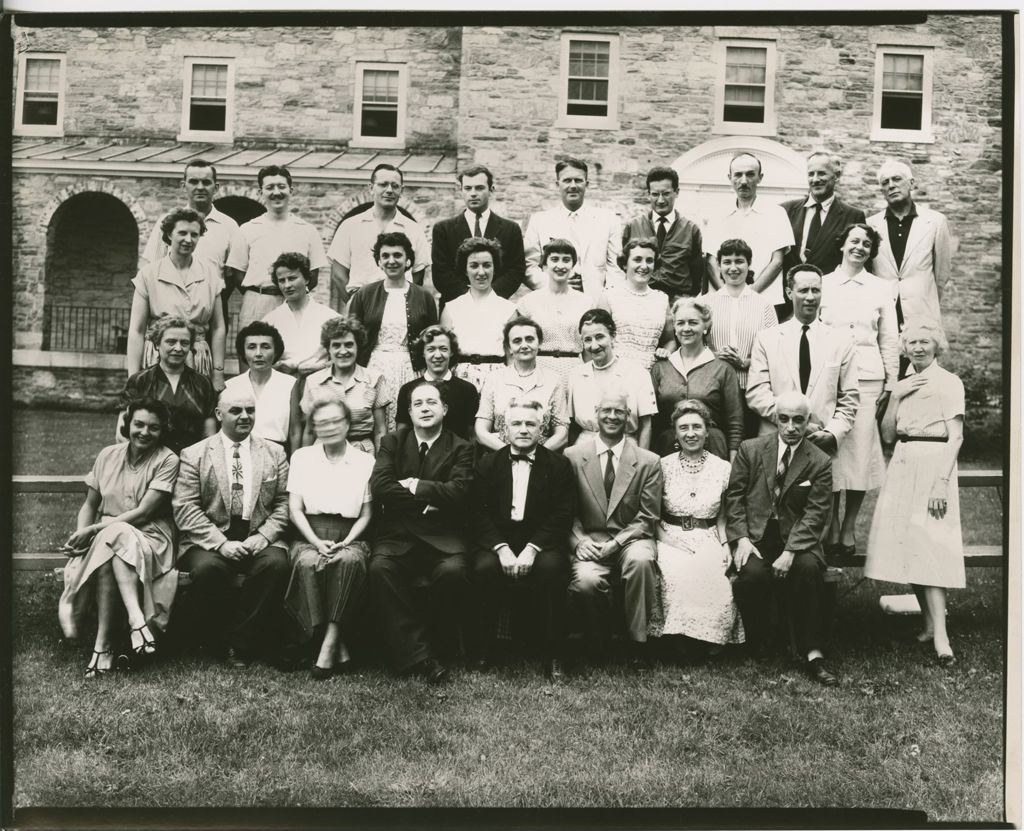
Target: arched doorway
704	188
92	245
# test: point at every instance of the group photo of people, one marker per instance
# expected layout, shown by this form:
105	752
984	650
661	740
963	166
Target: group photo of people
560	429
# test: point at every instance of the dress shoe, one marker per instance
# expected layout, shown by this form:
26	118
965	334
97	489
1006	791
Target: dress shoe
431	671
234	659
946	661
320	673
816	669
553	670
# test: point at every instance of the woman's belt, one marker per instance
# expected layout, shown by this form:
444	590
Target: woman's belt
481	359
687	523
943	439
557	353
272	290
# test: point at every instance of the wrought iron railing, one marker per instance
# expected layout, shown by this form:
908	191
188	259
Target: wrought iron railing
98	330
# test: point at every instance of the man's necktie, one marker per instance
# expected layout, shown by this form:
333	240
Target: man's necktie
609	476
814	230
476	225
780	476
662	222
424	447
236	482
805	360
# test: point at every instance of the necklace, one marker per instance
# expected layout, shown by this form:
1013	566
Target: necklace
691	466
634	292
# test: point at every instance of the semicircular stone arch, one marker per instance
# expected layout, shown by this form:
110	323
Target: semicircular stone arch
704	188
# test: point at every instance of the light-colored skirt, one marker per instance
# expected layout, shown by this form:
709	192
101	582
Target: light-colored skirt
396	368
859	464
200	358
906	543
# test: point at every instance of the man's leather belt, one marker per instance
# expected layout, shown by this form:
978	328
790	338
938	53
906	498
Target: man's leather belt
943	439
272	290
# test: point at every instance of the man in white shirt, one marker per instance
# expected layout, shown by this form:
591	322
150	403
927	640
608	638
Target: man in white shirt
260	241
231	510
765	228
618	501
595	233
351	250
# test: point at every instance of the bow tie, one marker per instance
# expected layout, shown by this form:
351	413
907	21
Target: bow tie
521	457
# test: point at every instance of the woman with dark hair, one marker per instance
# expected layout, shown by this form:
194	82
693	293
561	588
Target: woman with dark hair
184	286
434	353
478	316
360	388
189	396
122	550
693	553
640	312
330	505
557	307
299	318
392	311
259	346
857	302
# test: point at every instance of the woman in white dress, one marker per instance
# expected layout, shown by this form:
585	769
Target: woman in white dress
122	552
641	314
477	317
915	533
557	308
693	556
259	346
855	301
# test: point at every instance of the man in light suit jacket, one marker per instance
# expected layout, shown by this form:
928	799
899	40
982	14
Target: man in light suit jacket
829	366
680	268
522	509
815	238
778	505
476	186
619	487
916	250
595	232
231	509
420	484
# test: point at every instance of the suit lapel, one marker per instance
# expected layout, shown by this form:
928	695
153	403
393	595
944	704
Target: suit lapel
797	466
829	228
790	352
215	449
595	479
770	462
259	465
919	233
583	229
623	476
818	357
537	486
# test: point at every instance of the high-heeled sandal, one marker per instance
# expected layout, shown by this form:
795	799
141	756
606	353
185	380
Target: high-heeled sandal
148	645
94	670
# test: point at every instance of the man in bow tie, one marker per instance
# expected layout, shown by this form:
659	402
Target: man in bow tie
778	506
523	508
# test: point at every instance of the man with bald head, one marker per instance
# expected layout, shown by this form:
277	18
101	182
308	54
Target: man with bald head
916	250
778	506
618	501
231	509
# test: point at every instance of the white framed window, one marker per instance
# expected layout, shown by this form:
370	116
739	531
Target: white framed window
902	108
379	108
745	89
589	82
208	100
39	105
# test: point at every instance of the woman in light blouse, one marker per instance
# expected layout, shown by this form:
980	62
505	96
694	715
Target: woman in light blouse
856	302
259	347
330	505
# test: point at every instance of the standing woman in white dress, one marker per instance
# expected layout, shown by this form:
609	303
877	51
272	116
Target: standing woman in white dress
393	312
478	316
641	315
697	599
855	301
259	346
557	308
915	532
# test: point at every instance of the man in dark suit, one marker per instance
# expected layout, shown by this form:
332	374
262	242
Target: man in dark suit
818	218
681	258
420	483
476	184
523	509
618	501
778	506
231	509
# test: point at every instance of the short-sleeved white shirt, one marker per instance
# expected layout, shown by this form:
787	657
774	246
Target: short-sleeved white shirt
353	243
260	241
300	333
326	487
764	227
214	245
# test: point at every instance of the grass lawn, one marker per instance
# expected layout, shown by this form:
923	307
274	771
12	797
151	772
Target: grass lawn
897	733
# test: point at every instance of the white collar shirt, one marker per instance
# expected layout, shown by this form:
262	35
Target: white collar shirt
470	218
520	485
670	220
809	215
615	451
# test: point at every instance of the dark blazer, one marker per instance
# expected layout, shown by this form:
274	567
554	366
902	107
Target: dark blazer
825	253
681	259
449	233
368	303
805	504
462	399
436	515
550	501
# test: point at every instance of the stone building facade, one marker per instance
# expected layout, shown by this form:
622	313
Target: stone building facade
87	190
